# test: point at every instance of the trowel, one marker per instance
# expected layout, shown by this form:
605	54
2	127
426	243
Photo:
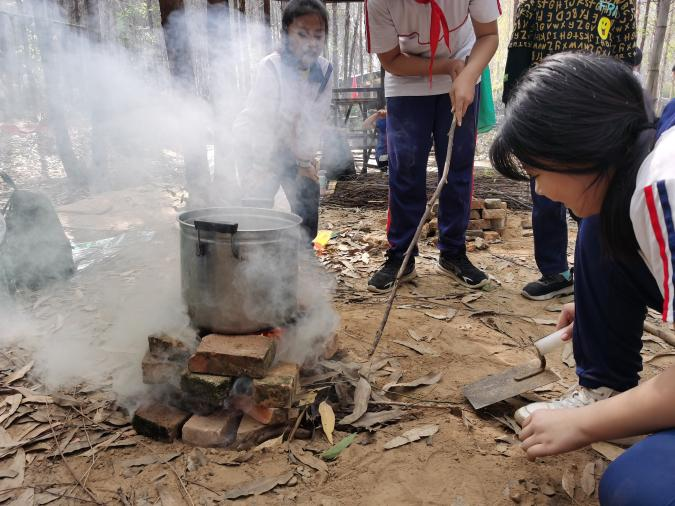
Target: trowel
518	379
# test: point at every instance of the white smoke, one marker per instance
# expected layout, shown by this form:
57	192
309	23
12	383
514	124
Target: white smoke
93	328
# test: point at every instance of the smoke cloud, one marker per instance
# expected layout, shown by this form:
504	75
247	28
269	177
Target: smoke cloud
93	328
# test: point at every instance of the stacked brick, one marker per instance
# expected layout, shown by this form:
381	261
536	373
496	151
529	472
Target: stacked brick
225	394
487	219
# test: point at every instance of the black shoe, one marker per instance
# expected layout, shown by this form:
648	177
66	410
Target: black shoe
383	280
548	287
460	268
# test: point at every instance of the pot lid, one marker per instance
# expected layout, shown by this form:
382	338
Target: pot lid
248	219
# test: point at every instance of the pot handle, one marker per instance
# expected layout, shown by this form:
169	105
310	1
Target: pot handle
221	227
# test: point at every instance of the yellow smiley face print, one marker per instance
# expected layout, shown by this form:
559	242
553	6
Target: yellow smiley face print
603	27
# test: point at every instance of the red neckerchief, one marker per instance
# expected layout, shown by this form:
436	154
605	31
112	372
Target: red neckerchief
437	21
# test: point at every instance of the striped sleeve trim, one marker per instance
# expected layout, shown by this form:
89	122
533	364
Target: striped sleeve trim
661	219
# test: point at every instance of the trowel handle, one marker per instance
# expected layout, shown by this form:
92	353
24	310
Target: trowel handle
551	342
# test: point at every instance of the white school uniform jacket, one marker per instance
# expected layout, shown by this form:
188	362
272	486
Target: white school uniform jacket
286	111
652	215
407	23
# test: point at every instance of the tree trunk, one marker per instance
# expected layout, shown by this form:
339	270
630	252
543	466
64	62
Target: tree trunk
56	118
345	55
643	31
350	71
179	55
663	71
334	29
657	47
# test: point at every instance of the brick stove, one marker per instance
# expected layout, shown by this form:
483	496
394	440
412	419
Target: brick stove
229	393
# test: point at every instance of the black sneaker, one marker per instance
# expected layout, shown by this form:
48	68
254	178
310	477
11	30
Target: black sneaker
383	280
461	269
548	287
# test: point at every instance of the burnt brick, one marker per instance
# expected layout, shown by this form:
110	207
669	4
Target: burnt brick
233	355
159	421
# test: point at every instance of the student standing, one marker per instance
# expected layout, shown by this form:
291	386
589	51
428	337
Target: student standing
286	112
542	28
591	152
423	46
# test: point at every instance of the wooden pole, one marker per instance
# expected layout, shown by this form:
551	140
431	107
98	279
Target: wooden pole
662	12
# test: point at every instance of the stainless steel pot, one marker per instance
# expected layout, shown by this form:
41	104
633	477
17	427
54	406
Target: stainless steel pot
239	268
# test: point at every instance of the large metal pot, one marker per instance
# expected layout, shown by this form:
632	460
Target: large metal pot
239	268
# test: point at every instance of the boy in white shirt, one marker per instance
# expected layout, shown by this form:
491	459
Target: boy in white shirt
434	52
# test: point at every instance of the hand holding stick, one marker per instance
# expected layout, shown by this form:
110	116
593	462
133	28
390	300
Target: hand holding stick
416	237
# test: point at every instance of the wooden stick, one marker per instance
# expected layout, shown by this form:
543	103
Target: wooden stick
664	334
70	469
416	237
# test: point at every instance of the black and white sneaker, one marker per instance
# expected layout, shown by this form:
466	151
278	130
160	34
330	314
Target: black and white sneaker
460	268
547	287
383	280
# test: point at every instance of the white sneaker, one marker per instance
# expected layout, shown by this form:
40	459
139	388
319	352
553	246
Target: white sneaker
577	397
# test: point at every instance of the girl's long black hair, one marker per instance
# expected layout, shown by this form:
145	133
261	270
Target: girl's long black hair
581	113
297	8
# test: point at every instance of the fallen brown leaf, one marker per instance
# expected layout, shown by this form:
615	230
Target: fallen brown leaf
327	420
588	479
411	435
569	482
608	450
17	375
361	397
420	348
369	420
307	459
428	379
258	486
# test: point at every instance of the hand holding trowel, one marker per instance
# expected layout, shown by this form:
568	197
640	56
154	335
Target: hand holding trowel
518	379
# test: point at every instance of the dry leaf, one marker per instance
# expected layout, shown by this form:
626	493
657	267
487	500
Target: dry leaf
258	486
544	321
414	335
470	298
25	498
547	489
420	348
588	479
428	379
167	497
327	420
411	435
17	468
13	401
608	450
658	355
568	481
379	418
305	458
568	355
451	313
270	443
361	397
436	316
17	375
150	459
231	460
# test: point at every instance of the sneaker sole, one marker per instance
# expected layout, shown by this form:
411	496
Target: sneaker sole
450	274
568	290
404	278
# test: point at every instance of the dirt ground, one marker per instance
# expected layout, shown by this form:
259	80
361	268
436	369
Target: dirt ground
473	459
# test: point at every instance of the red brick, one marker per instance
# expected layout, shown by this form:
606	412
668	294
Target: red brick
167	347
159	421
494	214
283	415
218	429
493	204
477	204
475	215
498	225
251	433
278	388
472	234
158	372
233	355
478	224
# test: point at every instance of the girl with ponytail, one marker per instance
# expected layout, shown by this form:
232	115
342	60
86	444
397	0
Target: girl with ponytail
580	126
